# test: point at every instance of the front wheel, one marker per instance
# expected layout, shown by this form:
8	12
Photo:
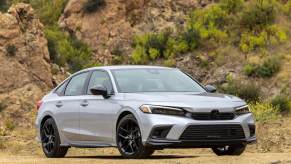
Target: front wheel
128	137
229	150
50	140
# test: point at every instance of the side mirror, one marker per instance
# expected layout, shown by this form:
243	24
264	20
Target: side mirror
210	88
100	90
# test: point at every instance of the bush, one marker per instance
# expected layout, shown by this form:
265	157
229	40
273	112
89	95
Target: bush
3	5
249	69
208	23
48	11
169	63
251	41
258	14
11	50
189	40
282	102
67	49
287	9
152	46
268	68
93	5
264	111
232	6
245	90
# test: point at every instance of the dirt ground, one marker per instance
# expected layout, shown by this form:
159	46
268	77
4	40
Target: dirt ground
172	156
247	158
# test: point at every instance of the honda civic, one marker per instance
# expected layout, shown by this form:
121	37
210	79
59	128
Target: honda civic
140	109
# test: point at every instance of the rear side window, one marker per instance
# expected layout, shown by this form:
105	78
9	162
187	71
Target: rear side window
99	78
61	88
76	85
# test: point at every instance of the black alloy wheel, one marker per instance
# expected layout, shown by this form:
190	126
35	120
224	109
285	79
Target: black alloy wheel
51	141
129	140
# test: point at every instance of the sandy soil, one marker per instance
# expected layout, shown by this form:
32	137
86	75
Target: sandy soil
247	158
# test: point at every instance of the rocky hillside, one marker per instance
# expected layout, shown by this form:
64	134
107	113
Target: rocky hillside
113	26
25	67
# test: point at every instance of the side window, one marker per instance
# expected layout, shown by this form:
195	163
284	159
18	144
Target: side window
61	88
76	85
99	78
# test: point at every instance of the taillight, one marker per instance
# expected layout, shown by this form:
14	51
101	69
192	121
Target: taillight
38	104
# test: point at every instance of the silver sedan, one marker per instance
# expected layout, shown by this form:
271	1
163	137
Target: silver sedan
139	109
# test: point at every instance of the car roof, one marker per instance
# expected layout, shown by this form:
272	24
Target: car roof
126	67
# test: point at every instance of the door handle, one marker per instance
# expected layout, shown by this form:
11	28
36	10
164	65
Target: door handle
59	104
84	103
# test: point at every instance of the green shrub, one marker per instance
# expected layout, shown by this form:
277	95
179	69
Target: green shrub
93	5
258	14
152	46
249	69
48	11
268	68
282	102
4	5
67	49
189	40
264	111
232	6
287	9
169	63
245	90
251	41
208	23
11	50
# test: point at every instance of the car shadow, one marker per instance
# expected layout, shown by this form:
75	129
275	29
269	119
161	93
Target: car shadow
149	158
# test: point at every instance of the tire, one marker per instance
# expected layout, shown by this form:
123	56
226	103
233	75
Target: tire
128	139
50	140
229	150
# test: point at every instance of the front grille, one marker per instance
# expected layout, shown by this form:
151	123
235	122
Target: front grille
211	116
213	132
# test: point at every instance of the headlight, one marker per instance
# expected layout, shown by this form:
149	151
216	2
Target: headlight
154	109
242	110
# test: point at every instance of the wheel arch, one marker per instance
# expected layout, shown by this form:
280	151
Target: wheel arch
46	117
121	115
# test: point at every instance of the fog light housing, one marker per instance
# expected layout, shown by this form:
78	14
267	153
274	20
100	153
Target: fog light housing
252	128
160	132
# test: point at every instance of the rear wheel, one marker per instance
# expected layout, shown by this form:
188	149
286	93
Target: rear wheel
128	137
50	140
229	150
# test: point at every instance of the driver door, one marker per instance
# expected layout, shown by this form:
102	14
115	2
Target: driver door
96	113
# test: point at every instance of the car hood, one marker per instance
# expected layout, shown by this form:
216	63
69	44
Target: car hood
193	101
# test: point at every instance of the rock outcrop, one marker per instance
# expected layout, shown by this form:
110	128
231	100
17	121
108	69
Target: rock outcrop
25	71
114	25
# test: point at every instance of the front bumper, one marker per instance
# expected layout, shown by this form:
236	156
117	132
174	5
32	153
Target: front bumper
178	125
159	144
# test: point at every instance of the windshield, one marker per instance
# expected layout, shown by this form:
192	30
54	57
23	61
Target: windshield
154	80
